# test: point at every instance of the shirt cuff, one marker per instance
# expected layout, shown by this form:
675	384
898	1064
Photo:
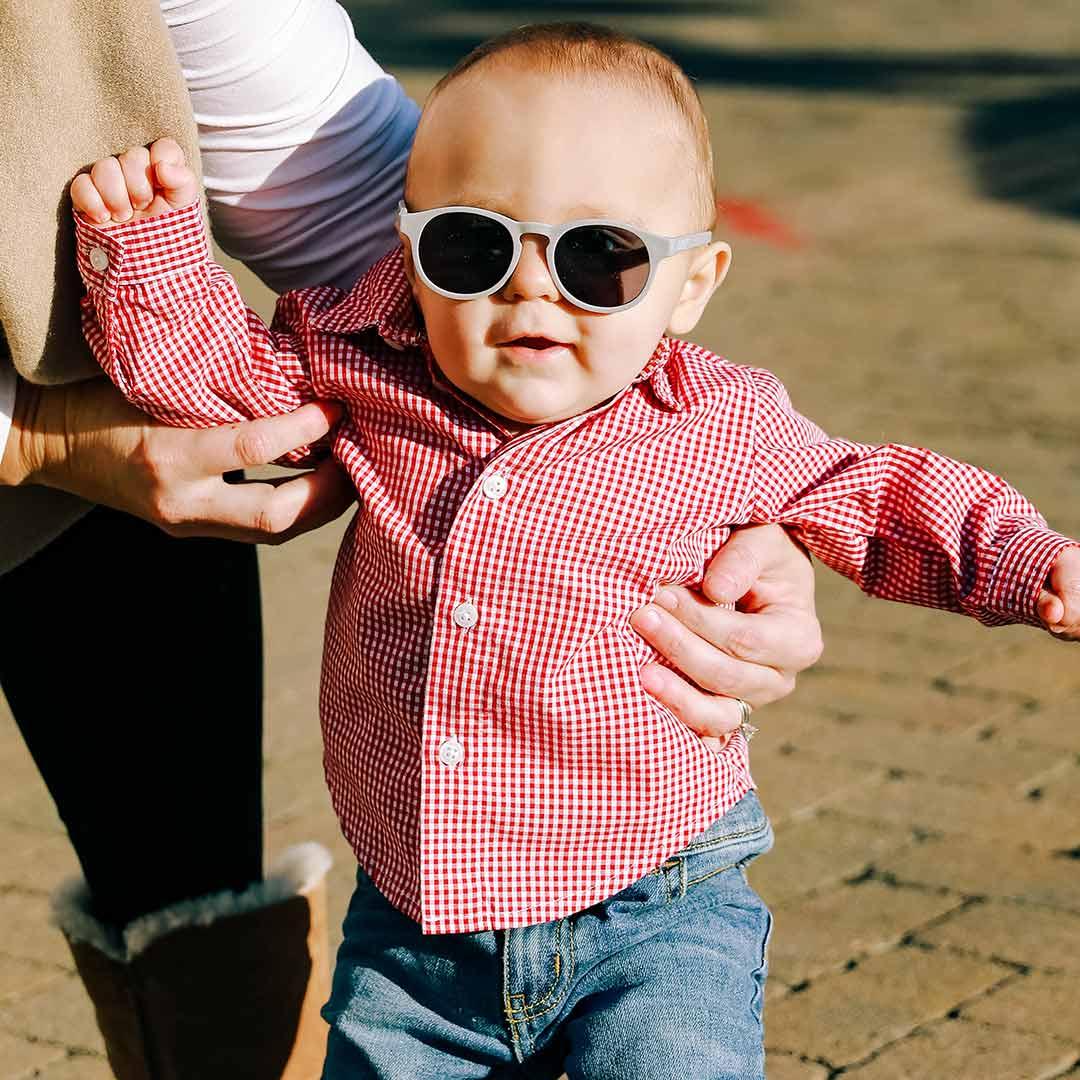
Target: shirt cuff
112	256
7	404
1021	571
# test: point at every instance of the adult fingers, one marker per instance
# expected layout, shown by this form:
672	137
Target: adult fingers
707	714
108	178
257	513
258	442
87	200
135	165
777	636
712	670
754	557
736	566
310	501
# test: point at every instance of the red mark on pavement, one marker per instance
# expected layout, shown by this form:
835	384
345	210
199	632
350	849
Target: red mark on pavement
753	219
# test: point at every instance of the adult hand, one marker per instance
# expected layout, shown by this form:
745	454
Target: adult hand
86	439
753	652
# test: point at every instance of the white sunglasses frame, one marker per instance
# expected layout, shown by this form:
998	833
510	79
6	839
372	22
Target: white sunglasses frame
412	223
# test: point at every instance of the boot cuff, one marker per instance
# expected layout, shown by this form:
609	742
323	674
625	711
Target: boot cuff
295	872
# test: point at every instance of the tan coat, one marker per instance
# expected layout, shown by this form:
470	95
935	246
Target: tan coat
79	79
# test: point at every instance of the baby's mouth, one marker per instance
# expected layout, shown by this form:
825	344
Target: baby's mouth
538	343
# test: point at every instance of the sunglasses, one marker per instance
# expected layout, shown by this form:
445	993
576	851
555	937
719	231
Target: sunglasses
464	252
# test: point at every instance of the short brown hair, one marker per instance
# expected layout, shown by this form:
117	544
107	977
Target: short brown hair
588	49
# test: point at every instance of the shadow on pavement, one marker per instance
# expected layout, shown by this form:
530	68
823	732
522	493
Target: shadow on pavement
1028	150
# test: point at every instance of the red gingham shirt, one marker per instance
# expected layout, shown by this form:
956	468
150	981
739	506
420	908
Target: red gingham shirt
490	751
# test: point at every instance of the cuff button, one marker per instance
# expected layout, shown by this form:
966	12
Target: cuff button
99	258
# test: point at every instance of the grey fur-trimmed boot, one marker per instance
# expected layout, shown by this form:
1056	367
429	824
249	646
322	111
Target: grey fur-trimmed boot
224	987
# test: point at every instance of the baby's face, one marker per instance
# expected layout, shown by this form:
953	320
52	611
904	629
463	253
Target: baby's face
545	148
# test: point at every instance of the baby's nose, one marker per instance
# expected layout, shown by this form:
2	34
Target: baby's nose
531	279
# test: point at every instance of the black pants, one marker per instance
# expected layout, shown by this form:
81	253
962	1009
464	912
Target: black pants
132	662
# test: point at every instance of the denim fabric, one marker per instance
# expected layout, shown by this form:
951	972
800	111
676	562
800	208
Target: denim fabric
663	979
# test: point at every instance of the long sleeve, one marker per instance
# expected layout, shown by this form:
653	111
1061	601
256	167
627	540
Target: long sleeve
904	523
170	329
304	138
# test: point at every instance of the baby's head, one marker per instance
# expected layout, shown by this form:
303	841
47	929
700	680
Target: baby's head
556	124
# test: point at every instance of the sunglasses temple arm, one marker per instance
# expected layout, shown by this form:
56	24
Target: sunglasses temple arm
685	243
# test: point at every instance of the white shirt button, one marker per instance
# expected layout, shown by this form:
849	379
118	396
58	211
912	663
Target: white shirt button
465	615
99	259
451	752
494	486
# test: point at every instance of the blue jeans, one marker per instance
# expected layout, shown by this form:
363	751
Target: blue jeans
663	979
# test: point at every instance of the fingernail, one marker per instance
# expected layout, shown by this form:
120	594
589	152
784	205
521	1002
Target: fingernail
100	219
666	599
647	619
143	202
123	215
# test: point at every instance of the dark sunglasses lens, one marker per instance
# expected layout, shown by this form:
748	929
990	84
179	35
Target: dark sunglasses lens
602	265
465	253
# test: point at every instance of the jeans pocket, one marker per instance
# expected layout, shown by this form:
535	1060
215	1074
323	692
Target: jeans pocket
730	843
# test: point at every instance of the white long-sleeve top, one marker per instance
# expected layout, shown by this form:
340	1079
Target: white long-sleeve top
304	140
304	137
7	403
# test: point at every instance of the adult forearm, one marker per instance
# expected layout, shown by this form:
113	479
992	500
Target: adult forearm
86	439
33	428
72	437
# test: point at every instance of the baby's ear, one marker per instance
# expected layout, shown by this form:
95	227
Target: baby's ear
707	272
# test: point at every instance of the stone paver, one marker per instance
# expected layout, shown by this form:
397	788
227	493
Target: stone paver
27	933
78	1067
978	756
792	786
785	1067
817	852
19	977
926	764
842	1019
824	933
1038	1002
1018	933
59	1015
981	868
1008	817
956	1048
21	1059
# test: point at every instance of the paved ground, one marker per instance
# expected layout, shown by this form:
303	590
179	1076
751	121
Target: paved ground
925	779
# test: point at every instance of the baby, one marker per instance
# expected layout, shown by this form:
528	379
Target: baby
550	863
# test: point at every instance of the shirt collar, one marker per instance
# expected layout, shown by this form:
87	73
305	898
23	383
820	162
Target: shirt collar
382	301
655	373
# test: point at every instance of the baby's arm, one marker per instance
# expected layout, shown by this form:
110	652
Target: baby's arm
168	325
909	524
